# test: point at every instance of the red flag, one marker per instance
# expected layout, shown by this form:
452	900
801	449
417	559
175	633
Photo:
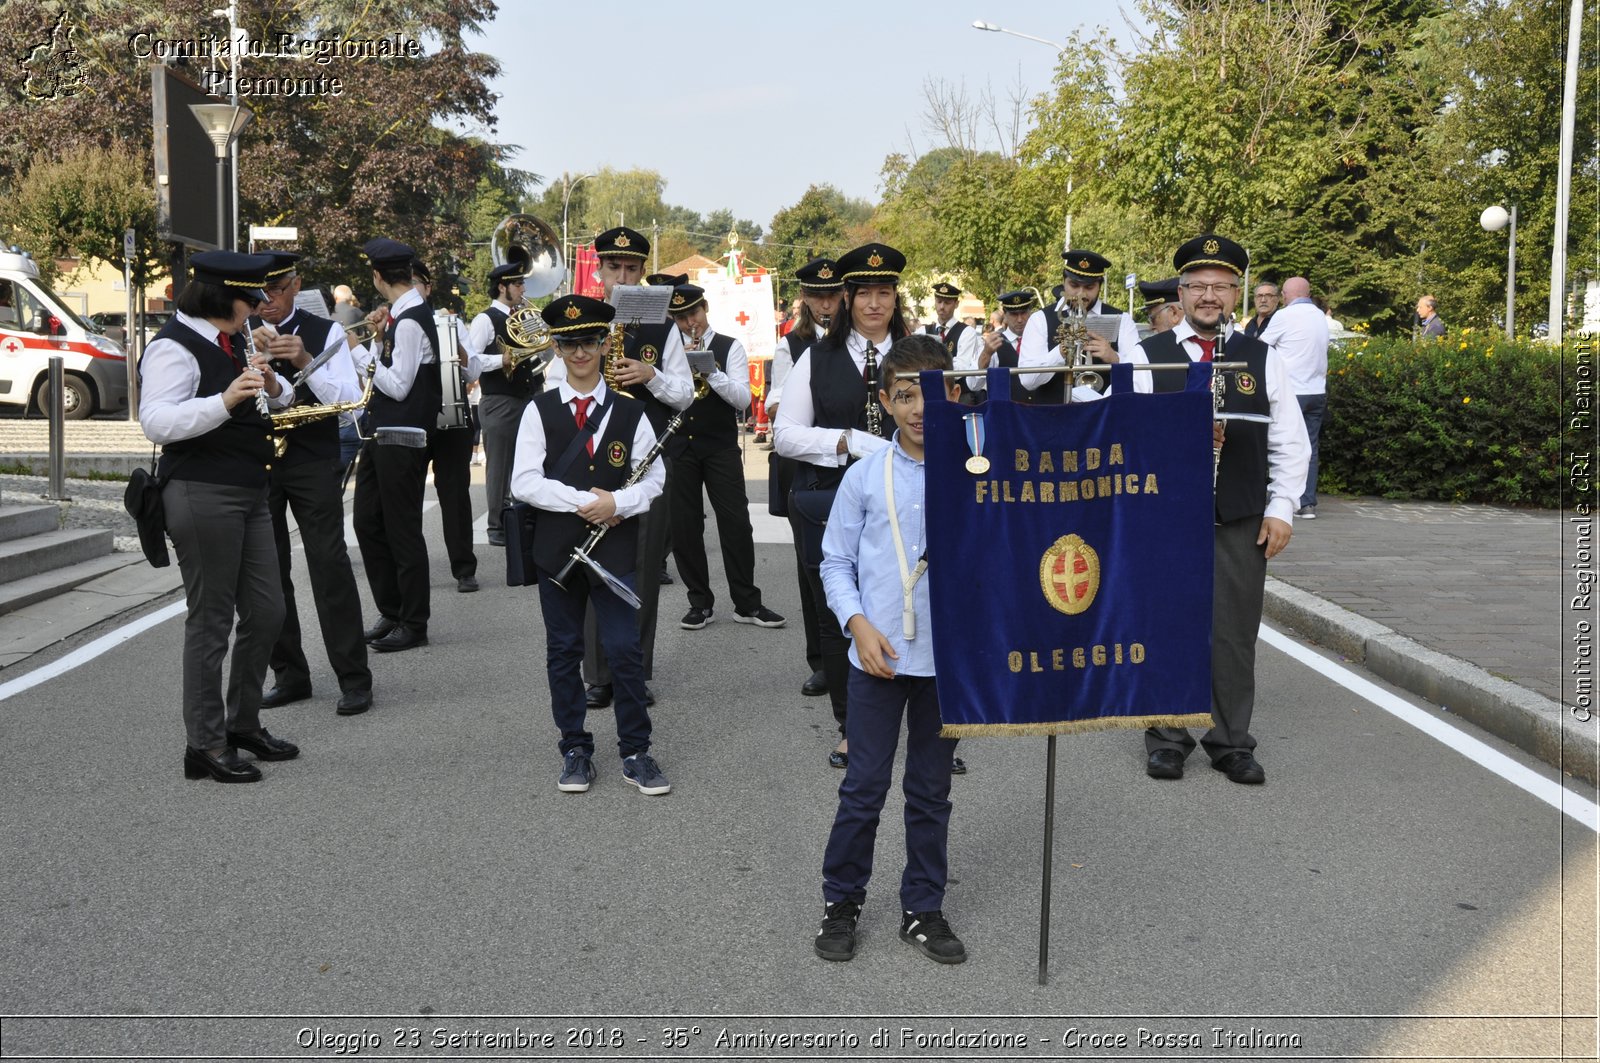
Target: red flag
585	270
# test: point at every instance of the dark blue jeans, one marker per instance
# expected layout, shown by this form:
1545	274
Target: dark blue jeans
618	625
873	728
1314	408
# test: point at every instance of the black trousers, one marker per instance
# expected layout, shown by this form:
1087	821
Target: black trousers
720	474
388	523
653	528
450	450
833	643
312	490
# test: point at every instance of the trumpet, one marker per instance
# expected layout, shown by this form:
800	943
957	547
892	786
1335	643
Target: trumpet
528	330
1072	330
295	416
362	330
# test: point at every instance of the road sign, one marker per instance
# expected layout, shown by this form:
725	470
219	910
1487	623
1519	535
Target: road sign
127	245
274	232
1130	281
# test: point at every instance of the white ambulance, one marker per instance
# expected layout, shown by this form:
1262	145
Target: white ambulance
36	323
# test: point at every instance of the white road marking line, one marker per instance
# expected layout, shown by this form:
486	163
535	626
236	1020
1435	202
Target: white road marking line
1549	791
85	654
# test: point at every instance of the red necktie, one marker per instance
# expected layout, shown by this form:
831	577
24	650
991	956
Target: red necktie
1207	347
580	413
941	333
226	343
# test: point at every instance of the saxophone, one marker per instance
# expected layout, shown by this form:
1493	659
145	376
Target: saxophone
295	416
616	351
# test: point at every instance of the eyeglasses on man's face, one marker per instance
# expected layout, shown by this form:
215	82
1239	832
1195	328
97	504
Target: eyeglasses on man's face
1220	288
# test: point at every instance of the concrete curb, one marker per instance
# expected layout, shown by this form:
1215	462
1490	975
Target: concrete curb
1529	721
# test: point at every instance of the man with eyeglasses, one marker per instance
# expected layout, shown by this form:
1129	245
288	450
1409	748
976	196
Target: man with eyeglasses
308	479
1258	484
504	397
1267	302
1083	275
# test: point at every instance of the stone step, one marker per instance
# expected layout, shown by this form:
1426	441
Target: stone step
51	550
20	521
24	592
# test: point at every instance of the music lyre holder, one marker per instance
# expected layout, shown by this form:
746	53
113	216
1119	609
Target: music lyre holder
641	304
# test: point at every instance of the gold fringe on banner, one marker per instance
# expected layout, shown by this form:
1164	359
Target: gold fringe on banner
1067	727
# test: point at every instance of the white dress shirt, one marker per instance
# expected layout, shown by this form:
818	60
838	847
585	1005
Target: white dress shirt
784	356
411	351
1037	349
1288	445
336	380
672	383
531	485
795	433
1299	333
967	347
733	384
481	334
169	376
981	381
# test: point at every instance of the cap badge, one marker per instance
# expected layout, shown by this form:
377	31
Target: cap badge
1083	263
1211	247
621	240
677	300
573	313
825	273
875	260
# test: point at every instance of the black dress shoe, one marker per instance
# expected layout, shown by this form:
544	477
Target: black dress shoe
264	746
197	764
1241	767
467	584
401	638
598	696
380	629
666	578
354	702
837	759
958	766
816	686
649	697
497	538
279	696
1164	764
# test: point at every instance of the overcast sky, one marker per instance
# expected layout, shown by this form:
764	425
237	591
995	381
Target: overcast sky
713	95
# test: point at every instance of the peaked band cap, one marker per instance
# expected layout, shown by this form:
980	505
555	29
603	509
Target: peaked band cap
243	275
622	241
578	313
686	297
1022	299
384	253
1159	293
1085	264
1210	249
504	275
820	274
872	264
666	280
283	264
946	290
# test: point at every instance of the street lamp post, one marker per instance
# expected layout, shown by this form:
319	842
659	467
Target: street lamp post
223	122
566	197
1494	219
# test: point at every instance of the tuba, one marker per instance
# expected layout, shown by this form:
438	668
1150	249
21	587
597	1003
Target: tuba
534	248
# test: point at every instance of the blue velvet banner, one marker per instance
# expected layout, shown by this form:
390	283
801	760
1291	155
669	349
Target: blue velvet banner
1069	563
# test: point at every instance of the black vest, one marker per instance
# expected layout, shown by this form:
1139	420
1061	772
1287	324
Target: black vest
838	400
1053	390
525	383
647	343
559	533
420	407
709	423
1007	356
239	450
952	336
317	440
1243	474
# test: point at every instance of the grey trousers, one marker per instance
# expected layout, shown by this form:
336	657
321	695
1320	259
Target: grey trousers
499	416
654	528
223	538
1240	582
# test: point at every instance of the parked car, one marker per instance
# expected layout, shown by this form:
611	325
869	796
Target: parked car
114	323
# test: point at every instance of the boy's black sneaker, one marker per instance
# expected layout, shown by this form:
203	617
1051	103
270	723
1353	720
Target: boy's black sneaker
932	936
836	940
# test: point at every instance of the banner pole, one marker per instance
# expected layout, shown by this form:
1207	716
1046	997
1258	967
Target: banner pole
1049	859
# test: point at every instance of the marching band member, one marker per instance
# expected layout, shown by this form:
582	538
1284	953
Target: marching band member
503	398
450	454
706	457
198	399
960	342
1161	304
1000	346
655	371
877	528
1259	481
831	416
309	480
390	478
1083	275
576	447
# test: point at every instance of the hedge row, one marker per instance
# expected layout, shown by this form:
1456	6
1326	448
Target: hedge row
1468	417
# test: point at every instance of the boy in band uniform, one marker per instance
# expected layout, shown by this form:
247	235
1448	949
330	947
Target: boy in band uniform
876	541
576	448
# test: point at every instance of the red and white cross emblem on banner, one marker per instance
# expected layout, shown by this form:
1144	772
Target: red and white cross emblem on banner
742	318
1070	590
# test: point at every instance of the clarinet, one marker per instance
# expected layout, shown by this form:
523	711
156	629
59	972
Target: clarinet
250	357
874	411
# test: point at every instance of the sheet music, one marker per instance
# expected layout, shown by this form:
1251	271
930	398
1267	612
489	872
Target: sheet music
645	304
702	362
1106	326
310	300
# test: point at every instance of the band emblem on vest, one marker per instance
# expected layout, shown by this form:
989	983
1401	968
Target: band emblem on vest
950	347
1069	575
617	455
1247	384
648	354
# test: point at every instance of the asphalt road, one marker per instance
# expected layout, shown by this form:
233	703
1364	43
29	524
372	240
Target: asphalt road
1381	896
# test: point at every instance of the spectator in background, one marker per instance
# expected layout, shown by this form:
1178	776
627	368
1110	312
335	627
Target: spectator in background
1267	302
1299	333
345	310
1428	317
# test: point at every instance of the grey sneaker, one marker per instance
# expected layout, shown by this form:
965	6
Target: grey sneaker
932	936
1306	513
640	769
836	938
577	772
